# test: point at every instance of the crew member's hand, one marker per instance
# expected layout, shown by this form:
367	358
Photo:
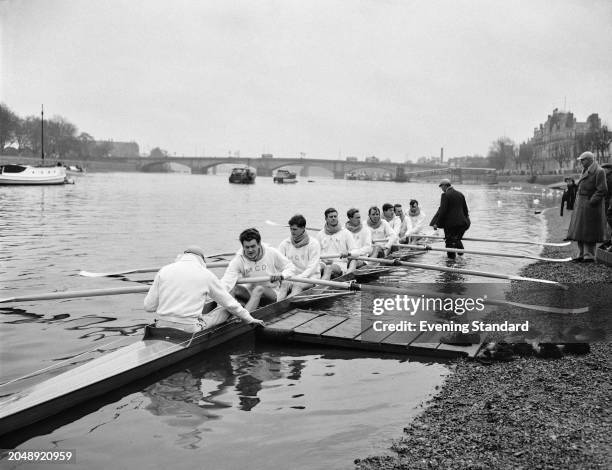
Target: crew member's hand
276	278
344	255
258	322
435	227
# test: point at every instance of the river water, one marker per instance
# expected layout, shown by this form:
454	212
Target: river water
246	403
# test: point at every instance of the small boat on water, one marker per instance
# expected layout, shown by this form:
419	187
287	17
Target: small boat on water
74	169
285	177
16	174
159	348
242	175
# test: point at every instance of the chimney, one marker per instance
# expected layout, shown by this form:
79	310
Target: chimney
441	154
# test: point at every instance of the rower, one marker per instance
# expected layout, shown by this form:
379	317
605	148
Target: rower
362	237
383	236
180	290
335	239
304	252
417	222
388	214
404	221
256	259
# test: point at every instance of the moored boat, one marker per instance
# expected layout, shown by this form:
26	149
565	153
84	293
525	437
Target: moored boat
16	174
285	177
159	348
242	176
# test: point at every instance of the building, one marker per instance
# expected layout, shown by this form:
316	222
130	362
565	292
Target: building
558	142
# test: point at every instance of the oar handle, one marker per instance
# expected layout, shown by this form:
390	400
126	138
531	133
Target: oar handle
501	240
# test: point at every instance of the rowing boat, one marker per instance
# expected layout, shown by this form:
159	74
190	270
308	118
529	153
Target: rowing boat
159	348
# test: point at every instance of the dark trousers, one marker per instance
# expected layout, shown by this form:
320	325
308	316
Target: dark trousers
452	239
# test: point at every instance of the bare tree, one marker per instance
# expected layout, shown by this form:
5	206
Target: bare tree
9	122
501	153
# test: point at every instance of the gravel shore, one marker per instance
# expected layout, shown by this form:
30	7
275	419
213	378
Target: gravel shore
528	413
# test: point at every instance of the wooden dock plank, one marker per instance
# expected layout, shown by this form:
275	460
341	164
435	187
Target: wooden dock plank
348	329
402	337
320	324
292	321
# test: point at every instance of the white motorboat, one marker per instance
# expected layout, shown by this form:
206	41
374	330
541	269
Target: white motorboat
15	174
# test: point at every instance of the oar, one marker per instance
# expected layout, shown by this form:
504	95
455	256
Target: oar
219	264
275	224
499	240
354	286
488	253
216	264
126	290
459	271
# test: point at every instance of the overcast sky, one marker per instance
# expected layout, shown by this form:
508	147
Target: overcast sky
331	78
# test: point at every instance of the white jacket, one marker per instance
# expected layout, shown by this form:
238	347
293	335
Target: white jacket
384	231
271	263
305	259
180	290
363	241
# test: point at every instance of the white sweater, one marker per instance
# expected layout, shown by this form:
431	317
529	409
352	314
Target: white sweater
271	263
417	223
339	242
384	231
363	241
305	259
180	290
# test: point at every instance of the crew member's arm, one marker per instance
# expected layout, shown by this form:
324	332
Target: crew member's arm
392	237
314	257
232	273
151	301
282	265
218	293
366	249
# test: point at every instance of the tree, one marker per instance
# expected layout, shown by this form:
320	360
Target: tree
9	123
158	153
561	152
527	155
501	153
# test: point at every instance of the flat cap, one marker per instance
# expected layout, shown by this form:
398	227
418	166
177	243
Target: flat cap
444	181
196	250
584	155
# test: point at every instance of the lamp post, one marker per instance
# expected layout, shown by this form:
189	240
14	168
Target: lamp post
42	132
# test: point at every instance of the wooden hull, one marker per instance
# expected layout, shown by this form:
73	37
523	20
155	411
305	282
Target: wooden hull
120	367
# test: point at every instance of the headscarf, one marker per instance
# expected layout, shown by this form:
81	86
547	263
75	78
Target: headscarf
353	228
331	230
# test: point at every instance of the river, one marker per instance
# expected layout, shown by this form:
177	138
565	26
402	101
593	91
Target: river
245	404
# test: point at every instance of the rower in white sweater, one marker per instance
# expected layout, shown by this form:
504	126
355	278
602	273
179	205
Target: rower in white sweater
256	259
335	240
418	222
362	236
383	236
304	252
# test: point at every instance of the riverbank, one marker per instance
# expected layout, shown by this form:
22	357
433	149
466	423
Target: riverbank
527	413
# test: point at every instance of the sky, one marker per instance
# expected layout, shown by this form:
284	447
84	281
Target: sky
397	79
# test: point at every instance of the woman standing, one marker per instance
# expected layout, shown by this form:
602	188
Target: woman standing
588	224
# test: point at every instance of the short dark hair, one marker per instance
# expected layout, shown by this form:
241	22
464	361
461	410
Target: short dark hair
413	202
297	219
250	234
396	206
387	206
351	212
373	208
329	211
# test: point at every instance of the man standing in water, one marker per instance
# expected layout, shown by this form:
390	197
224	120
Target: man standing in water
452	216
256	259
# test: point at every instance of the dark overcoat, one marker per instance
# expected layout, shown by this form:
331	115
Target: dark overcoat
453	211
588	222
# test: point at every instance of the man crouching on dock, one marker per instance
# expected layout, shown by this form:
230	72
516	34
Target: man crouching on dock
180	290
256	259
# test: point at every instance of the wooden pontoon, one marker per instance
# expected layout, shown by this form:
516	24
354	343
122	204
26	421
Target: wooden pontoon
159	348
